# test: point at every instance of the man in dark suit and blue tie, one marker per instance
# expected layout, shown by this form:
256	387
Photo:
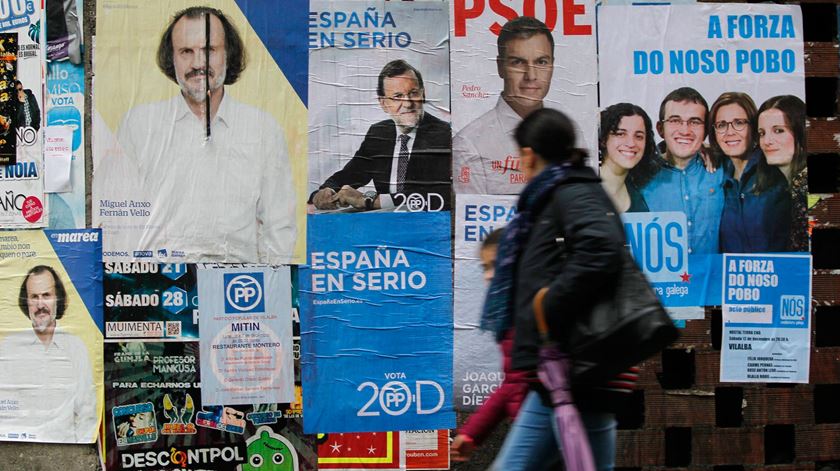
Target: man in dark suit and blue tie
408	156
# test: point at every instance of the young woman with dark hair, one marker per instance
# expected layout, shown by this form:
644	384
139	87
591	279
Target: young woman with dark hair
781	134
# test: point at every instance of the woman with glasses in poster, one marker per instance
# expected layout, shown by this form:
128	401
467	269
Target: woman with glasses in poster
626	147
781	134
756	210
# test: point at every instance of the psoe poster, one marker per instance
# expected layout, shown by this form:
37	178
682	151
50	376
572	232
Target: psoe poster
377	306
246	335
766	318
508	59
51	335
379	134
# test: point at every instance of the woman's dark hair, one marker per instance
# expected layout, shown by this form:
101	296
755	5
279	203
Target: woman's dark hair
234	47
551	135
793	109
610	120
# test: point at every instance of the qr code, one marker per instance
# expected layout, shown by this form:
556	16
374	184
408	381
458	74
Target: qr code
173	329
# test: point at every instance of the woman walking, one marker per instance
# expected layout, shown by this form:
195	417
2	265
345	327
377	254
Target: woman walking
562	250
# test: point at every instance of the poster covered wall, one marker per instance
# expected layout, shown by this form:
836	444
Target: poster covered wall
499	78
155	415
703	137
174	183
377	352
51	336
155	418
478	361
379	101
65	104
22	203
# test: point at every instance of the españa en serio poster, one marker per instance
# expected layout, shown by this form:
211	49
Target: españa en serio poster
198	161
702	141
51	336
379	134
377	352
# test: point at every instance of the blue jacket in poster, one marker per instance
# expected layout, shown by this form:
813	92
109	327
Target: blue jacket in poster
754	222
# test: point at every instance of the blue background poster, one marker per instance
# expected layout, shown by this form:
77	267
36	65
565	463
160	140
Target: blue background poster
376	332
659	244
766	318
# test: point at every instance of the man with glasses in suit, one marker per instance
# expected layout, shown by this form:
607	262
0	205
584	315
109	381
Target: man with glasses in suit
408	156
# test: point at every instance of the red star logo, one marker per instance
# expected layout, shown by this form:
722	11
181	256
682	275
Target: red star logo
686	278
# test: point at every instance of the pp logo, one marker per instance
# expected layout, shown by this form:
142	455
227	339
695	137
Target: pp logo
243	292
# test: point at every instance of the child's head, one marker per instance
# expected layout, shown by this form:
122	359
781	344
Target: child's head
488	253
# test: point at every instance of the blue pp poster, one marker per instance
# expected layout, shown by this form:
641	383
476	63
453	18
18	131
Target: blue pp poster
246	335
376	332
766	318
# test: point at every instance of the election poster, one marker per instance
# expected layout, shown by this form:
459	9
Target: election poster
766	318
65	104
246	341
377	303
478	359
51	336
22	202
201	131
379	133
702	137
150	301
415	449
155	418
503	68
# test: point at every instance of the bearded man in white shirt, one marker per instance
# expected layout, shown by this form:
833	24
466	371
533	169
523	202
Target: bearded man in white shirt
486	158
218	188
47	382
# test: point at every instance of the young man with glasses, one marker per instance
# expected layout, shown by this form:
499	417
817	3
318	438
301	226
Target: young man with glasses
406	155
683	183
